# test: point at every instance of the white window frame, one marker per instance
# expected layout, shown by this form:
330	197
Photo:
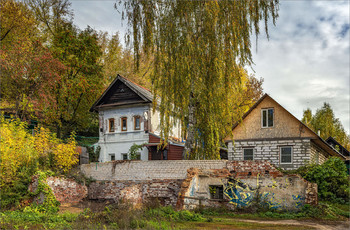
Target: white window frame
291	155
110	156
267	118
252	148
127	156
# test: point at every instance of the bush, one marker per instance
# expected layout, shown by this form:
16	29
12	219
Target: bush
331	177
22	154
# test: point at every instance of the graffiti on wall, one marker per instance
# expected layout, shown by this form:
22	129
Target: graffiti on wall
241	194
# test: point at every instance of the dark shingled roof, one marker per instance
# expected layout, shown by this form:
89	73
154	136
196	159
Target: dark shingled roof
144	93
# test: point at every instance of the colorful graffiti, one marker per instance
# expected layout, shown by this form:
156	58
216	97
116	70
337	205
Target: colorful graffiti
239	193
299	200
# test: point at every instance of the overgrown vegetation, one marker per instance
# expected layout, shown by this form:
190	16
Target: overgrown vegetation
122	216
331	177
23	155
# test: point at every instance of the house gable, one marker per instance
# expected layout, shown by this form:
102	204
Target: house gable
285	125
122	92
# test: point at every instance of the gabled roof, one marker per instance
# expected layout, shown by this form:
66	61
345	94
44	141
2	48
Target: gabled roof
145	95
318	140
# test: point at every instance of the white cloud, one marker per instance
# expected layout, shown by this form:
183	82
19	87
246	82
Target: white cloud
305	63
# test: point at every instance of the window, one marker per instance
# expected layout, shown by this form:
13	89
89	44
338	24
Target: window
124	124
248	154
267	117
124	156
137	123
216	191
286	155
112	156
111	125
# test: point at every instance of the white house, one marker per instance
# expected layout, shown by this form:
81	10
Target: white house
126	117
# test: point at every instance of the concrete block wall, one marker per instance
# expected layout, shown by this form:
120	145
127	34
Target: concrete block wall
147	170
270	150
318	155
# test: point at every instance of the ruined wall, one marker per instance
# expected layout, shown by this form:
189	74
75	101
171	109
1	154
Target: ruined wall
65	190
185	184
281	192
136	192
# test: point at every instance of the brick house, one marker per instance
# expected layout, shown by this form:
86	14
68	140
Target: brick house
126	117
269	132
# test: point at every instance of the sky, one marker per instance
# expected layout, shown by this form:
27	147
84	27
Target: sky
305	62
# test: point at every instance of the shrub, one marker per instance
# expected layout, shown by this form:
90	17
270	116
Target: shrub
22	154
331	177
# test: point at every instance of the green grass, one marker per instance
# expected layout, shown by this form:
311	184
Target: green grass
124	217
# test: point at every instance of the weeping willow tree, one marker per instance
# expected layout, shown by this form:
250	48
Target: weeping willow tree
199	50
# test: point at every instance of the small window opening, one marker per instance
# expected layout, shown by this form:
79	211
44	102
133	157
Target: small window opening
216	192
248	154
124	156
112	157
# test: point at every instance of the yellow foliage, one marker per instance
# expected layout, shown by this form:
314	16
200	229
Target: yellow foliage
20	151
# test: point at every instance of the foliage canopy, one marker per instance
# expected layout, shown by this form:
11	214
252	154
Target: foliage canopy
199	50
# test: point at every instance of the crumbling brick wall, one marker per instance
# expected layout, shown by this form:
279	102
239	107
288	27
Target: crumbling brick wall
136	192
64	190
172	182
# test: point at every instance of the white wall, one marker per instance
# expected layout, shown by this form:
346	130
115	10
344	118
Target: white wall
119	142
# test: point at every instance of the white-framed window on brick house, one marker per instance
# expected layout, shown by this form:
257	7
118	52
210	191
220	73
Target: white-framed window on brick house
286	154
248	154
267	118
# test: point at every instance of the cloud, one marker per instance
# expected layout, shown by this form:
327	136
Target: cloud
305	63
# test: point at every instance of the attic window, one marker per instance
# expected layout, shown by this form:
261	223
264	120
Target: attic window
267	117
124	124
111	125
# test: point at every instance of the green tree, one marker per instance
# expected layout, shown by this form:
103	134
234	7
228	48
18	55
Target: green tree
325	122
199	50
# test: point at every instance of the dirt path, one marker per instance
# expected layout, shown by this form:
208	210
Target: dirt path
330	225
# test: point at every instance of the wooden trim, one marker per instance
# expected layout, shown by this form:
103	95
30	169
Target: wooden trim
273	139
126	124
111	128
137	117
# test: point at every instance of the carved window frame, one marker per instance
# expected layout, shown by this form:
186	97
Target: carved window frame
122	125
111	125
139	118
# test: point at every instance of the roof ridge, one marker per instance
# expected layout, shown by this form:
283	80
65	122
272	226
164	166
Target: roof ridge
135	83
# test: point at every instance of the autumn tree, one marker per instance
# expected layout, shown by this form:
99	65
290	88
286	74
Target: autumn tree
199	50
325	122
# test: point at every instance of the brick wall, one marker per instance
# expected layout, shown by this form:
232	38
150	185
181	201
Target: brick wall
318	155
65	190
270	150
173	182
147	170
136	192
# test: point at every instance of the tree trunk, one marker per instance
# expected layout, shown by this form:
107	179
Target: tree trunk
191	128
